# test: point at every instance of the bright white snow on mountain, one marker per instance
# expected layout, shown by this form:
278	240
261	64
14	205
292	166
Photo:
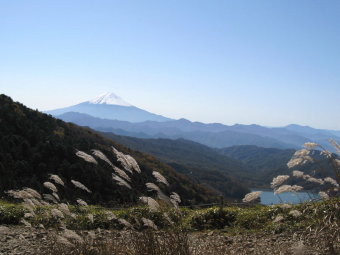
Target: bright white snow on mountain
109	98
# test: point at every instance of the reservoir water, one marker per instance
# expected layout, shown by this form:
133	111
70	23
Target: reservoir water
268	197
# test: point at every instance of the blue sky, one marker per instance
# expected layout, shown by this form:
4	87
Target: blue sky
266	62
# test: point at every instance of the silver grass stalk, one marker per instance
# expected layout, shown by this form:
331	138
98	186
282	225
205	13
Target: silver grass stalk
64	209
56	196
120	181
133	163
81	186
285	206
175	197
149	223
91	218
251	196
125	223
337	162
50	198
335	145
121	173
33	192
174	203
283	188
164	197
160	178
57	214
306	176
152	187
152	203
295	162
300	157
127	161
50	186
24	222
166	216
102	156
81	202
278	218
122	159
277	181
36	202
331	181
310	145
301	153
299	161
28	215
29	203
73	215
295	213
110	216
298	174
28	207
86	157
326	153
19	194
56	179
45	203
323	195
296	188
315	180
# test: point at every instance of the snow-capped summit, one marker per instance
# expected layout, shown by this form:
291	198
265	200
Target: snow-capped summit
112	107
109	98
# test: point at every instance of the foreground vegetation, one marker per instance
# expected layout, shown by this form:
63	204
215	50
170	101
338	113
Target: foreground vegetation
318	220
231	219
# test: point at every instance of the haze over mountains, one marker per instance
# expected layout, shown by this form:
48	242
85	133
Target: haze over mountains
110	113
110	106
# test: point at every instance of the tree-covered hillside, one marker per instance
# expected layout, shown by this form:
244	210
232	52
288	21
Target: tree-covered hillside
267	163
224	174
34	145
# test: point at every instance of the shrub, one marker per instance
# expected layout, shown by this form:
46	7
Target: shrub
212	218
10	213
253	218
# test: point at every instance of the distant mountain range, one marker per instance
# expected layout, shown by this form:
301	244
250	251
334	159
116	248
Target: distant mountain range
109	113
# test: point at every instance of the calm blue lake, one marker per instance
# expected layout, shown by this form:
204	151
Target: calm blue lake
268	197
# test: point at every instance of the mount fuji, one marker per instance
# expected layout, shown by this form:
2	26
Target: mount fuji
112	107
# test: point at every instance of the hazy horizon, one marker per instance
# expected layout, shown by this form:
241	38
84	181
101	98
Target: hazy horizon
248	62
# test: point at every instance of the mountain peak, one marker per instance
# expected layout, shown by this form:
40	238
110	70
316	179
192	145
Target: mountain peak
109	98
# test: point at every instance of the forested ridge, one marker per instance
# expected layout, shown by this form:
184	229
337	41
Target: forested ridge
231	170
34	145
224	174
